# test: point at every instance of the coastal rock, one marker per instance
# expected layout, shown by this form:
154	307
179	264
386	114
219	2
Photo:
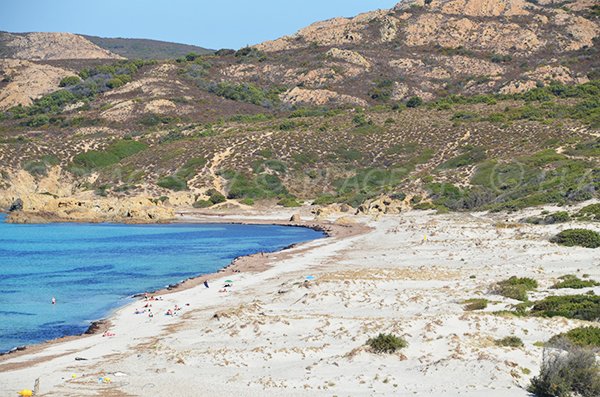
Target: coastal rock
17	205
382	205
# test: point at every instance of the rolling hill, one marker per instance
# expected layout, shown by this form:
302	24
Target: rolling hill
446	104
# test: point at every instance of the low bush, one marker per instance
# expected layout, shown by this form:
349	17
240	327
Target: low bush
386	343
572	281
246	92
190	168
247	201
172	182
215	197
35	168
591	212
577	237
515	287
69	81
202	204
510	341
470	155
581	336
567	371
582	307
114	153
551	219
414	102
256	187
475	304
289	202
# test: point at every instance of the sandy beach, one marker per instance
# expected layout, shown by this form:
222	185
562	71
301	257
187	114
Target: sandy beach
273	334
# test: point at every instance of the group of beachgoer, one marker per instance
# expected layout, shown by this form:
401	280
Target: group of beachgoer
174	311
148	307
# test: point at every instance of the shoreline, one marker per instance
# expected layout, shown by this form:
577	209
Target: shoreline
238	265
276	334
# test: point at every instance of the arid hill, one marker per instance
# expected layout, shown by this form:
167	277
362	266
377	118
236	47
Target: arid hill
41	46
146	49
454	104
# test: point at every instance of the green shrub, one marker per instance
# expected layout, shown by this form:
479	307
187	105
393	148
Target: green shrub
510	341
383	90
577	237
475	304
551	219
287	125
38	121
251	118
572	281
464	115
247	201
567	372
114	153
152	120
172	182
582	307
499	58
325	199
515	287
203	204
125	148
188	170
246	92
69	81
470	155
414	102
591	212
581	336
386	343
289	202
260	186
215	196
35	168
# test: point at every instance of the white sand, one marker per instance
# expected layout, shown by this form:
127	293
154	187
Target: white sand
276	336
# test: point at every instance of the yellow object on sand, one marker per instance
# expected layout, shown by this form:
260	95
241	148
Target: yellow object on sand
106	380
25	393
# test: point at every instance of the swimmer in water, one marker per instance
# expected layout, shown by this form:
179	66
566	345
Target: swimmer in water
53	300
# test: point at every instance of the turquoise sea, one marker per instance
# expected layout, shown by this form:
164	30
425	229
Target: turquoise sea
91	269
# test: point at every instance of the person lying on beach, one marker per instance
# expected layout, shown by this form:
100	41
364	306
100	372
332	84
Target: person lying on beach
107	333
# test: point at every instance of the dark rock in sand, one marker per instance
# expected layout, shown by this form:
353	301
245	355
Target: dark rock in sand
17	205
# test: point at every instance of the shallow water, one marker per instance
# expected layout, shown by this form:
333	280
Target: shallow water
91	269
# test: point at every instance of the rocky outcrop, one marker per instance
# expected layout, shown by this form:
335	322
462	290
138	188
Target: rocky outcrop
17	205
52	46
298	95
333	32
382	205
349	56
54	197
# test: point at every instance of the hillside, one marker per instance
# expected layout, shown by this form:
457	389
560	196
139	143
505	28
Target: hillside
453	105
146	49
40	46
